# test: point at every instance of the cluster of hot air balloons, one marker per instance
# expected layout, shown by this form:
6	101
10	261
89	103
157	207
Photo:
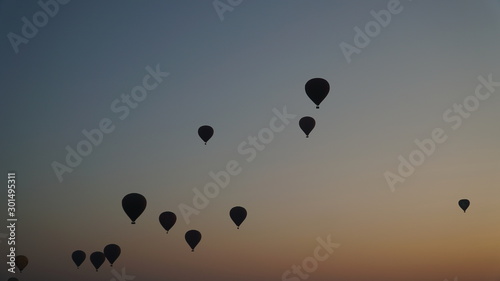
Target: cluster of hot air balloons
134	205
111	253
464	204
193	237
316	89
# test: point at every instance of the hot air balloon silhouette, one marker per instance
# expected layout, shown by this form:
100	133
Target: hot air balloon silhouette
464	204
205	132
317	89
307	124
97	259
193	237
167	220
134	204
112	252
78	257
21	262
238	214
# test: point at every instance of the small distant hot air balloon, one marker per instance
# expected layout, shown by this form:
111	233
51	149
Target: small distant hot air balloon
78	257
112	252
134	204
167	220
97	259
464	204
205	132
238	215
193	237
307	124
21	262
317	89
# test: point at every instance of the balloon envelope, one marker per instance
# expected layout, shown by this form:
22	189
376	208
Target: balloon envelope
97	259
112	252
238	214
307	124
21	262
317	89
193	237
78	257
205	132
464	204
134	204
167	220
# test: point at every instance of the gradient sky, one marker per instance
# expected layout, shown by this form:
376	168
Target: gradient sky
231	74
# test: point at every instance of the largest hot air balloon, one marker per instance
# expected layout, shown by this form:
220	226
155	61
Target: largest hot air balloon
134	204
112	252
238	214
167	220
307	124
317	89
21	262
205	132
193	237
464	204
97	259
78	257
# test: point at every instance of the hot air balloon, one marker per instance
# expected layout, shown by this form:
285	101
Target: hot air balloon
167	220
193	237
464	204
205	132
97	259
317	89
307	124
21	262
78	257
13	279
112	252
134	204
238	215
